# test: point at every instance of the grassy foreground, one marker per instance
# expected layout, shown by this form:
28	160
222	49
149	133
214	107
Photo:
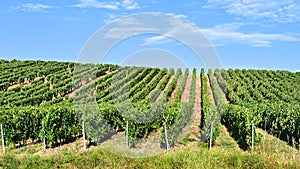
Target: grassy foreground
191	156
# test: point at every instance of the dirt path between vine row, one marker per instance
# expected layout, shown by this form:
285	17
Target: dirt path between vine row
148	146
171	100
84	84
151	144
166	87
26	83
185	97
196	116
192	129
224	140
211	96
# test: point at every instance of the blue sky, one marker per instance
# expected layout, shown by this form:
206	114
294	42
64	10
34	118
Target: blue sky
261	34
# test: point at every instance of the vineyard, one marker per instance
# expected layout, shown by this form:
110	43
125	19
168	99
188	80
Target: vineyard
50	101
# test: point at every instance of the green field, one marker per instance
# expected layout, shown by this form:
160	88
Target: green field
49	101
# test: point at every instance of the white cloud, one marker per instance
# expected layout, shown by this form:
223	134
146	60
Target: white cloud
34	7
129	4
219	35
157	40
180	16
126	27
281	11
116	33
114	5
228	33
96	4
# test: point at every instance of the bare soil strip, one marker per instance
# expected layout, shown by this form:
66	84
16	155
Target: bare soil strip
185	97
196	116
211	96
86	83
171	100
192	129
166	87
26	83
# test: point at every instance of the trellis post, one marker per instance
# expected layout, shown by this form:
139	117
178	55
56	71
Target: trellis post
211	134
2	139
83	135
166	137
126	136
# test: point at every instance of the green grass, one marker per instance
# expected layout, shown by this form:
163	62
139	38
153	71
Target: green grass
270	153
224	141
270	145
191	156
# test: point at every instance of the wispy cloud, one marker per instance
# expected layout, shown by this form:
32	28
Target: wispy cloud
119	33
219	35
63	19
34	7
96	4
229	33
109	17
157	40
282	11
113	5
226	34
129	4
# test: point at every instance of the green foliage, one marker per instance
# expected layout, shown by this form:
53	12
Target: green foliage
269	98
210	115
35	101
178	114
239	121
58	123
